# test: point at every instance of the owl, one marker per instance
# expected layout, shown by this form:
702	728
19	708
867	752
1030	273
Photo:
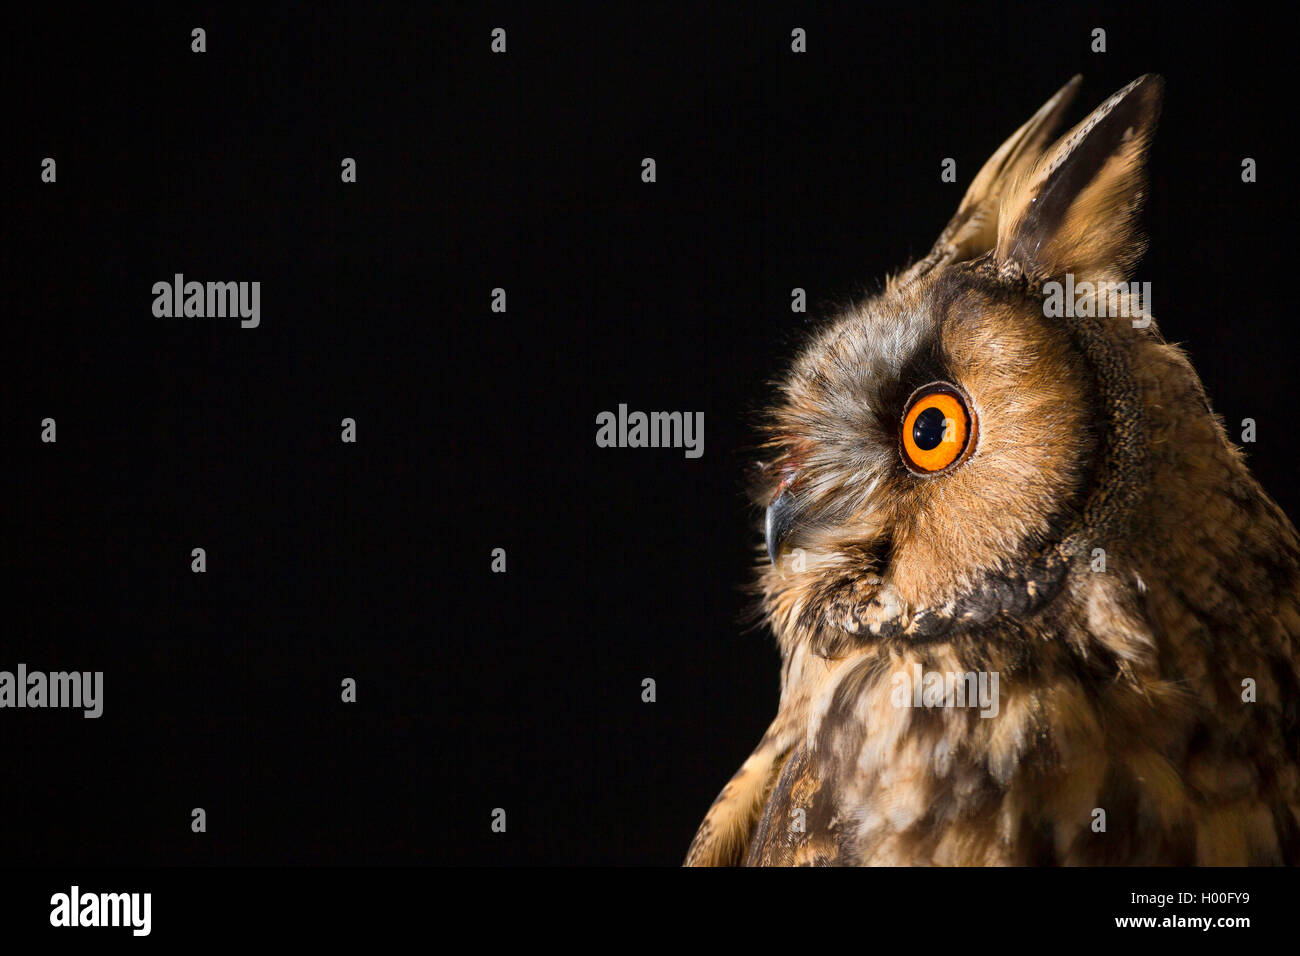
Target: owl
1032	607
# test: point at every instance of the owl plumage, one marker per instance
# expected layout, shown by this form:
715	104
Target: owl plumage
1097	543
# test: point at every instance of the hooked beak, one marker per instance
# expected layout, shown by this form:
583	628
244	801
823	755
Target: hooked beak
781	514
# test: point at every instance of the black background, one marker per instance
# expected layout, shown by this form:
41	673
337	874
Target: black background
476	430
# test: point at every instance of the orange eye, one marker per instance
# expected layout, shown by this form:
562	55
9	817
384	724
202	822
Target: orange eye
937	429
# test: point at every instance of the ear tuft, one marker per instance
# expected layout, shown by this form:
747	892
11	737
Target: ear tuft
973	229
1076	210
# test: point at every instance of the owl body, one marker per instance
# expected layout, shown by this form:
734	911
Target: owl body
1031	604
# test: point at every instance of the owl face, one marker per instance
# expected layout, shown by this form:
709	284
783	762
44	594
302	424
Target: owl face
923	443
932	445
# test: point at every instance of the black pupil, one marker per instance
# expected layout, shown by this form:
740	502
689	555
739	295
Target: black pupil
928	430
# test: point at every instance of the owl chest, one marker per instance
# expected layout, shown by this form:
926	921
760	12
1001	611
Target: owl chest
928	767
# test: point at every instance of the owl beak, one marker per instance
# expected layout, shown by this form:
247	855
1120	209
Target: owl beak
780	522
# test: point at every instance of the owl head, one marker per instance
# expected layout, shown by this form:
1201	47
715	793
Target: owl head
942	455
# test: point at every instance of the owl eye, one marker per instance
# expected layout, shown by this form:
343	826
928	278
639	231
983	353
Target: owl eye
937	429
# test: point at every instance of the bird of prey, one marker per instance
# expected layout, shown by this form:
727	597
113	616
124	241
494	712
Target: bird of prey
1031	604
